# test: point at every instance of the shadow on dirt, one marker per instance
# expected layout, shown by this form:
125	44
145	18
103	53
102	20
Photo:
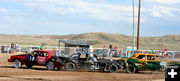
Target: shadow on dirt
39	79
150	72
85	70
6	67
35	68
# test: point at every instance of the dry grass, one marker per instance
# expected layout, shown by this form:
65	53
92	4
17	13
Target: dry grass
98	39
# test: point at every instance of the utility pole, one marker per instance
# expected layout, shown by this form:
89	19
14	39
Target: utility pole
133	27
161	43
139	14
59	45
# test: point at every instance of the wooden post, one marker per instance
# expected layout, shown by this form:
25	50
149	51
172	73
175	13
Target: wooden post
139	14
133	27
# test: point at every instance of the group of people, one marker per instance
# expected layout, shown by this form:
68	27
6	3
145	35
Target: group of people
115	52
13	48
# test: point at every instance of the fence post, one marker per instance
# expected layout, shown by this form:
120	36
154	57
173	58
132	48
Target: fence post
173	55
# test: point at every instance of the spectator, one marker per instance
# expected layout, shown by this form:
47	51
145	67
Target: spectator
124	52
128	53
41	48
17	46
120	53
2	49
5	49
105	51
12	47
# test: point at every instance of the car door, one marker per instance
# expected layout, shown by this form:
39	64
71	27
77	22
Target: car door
141	61
42	57
31	58
152	62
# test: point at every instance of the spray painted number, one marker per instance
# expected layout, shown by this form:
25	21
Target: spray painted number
32	58
95	66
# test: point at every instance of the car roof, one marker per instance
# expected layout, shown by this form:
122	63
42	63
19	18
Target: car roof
45	51
144	54
32	47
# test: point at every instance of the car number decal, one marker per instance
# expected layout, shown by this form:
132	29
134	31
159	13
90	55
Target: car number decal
31	59
41	60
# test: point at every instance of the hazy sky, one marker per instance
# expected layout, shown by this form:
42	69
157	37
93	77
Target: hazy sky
61	17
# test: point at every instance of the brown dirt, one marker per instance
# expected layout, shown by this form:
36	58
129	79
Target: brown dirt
39	73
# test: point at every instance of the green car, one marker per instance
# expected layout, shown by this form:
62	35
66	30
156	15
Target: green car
142	62
174	63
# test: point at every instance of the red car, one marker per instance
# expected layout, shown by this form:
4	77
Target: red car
38	57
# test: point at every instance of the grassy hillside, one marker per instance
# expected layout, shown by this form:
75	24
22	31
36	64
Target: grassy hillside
171	42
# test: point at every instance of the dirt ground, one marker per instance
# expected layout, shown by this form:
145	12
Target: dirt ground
39	73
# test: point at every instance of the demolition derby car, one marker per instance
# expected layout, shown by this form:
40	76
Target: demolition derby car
141	62
85	61
38	57
136	63
173	63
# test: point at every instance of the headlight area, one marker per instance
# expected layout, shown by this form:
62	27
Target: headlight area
163	63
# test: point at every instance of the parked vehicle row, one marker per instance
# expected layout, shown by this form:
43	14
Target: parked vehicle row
57	60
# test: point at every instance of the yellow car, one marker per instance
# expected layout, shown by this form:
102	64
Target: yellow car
140	62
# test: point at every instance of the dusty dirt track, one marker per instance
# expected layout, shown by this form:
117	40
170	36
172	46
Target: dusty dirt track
39	73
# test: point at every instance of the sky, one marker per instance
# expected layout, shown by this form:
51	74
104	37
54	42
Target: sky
62	17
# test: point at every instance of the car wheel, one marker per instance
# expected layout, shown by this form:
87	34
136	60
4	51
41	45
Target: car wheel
70	66
131	69
17	63
113	68
162	69
50	65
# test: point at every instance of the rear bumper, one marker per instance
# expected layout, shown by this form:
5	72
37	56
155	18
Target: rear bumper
10	60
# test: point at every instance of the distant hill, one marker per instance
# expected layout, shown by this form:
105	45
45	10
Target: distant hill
100	39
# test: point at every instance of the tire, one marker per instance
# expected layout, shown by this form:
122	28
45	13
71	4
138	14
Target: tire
50	65
162	69
70	66
131	69
17	63
113	68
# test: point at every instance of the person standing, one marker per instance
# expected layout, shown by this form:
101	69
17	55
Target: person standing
110	50
105	51
125	52
120	53
2	49
41	48
16	47
12	47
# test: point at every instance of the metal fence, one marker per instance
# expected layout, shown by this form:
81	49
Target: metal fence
110	52
120	52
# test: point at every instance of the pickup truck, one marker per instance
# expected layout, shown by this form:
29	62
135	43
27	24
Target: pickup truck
38	57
